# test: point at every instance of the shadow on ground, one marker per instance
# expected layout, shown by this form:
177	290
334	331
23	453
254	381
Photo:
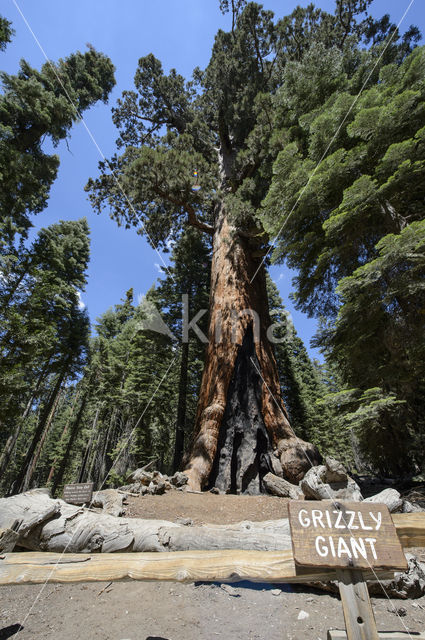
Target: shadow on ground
8	632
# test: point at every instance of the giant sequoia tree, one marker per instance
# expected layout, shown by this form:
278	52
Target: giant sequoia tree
222	124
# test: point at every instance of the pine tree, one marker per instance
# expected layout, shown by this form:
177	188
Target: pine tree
353	225
303	386
6	33
184	295
36	105
43	341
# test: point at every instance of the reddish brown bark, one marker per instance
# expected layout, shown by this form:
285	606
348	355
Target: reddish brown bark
233	296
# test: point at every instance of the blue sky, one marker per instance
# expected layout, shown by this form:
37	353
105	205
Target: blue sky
178	32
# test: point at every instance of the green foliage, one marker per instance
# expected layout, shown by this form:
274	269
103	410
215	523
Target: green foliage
6	33
335	212
224	123
353	226
44	332
128	402
303	386
36	105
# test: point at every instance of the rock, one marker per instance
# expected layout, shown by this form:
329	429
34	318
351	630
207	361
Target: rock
131	488
151	488
303	615
276	465
231	591
140	475
187	522
179	479
110	500
215	490
160	486
296	457
335	471
315	485
390	497
276	592
405	584
282	488
408	507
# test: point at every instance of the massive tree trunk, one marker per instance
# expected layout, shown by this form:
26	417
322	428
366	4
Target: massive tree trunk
242	427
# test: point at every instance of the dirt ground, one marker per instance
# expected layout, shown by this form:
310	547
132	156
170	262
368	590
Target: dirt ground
172	611
204	508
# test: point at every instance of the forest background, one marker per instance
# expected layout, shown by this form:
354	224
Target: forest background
64	425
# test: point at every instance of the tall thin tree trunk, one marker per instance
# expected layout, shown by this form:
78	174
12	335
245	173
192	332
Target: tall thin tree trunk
18	484
40	445
181	408
104	462
64	432
242	427
72	436
92	466
13	438
88	447
12	292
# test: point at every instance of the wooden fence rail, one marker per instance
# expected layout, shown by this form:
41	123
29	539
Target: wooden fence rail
183	566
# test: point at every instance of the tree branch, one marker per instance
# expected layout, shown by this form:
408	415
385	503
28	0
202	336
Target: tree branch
191	214
195	222
257	48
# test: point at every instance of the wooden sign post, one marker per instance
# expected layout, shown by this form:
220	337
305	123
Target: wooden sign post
349	537
78	493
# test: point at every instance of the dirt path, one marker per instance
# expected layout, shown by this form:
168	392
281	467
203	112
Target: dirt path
207	507
170	611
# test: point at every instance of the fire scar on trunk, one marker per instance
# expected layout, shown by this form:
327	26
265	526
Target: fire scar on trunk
242	425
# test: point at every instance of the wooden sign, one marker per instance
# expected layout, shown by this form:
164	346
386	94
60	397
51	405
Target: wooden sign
78	493
349	535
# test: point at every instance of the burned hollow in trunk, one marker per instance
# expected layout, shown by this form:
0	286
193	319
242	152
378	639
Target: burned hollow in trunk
244	451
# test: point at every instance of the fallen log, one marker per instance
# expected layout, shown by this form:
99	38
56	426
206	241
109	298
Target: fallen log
181	566
9	537
225	551
54	525
404	584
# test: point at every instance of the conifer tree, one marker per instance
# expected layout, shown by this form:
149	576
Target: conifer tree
222	126
303	388
353	226
6	33
184	296
36	105
43	340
